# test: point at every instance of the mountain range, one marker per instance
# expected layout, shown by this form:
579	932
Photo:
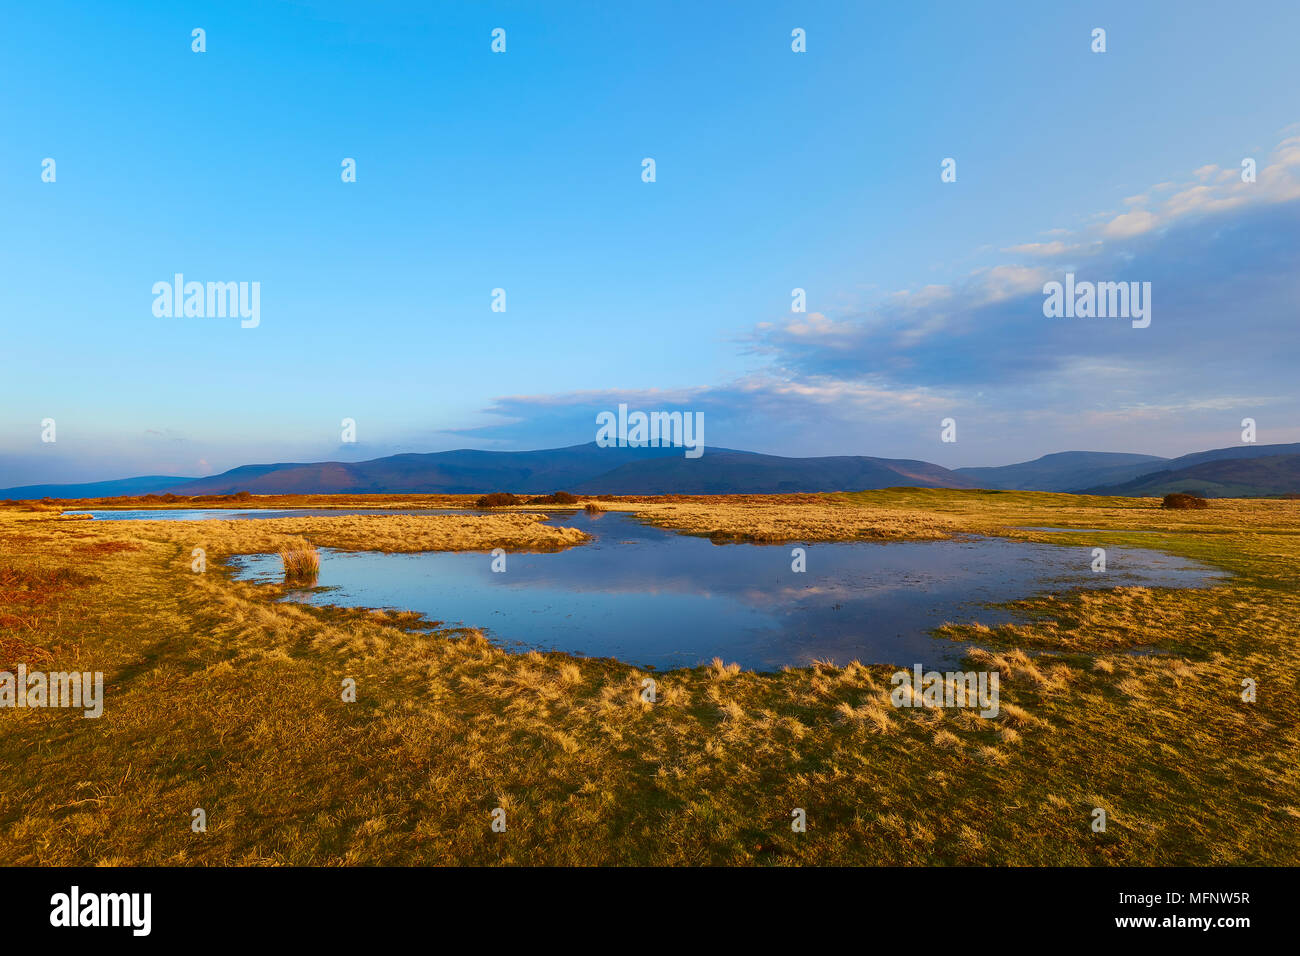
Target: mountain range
1238	471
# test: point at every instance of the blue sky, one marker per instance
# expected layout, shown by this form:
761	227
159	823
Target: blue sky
522	171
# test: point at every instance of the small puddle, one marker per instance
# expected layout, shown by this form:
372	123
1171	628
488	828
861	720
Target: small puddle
1083	530
1147	650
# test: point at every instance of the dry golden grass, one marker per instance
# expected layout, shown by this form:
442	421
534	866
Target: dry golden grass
772	519
301	562
514	531
219	697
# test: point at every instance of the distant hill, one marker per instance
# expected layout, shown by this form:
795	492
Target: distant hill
1243	470
148	484
466	471
1232	452
742	472
1237	471
586	469
1063	471
1229	477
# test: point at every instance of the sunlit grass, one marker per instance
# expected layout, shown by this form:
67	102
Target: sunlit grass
301	563
219	696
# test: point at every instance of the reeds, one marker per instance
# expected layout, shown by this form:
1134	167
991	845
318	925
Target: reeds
301	563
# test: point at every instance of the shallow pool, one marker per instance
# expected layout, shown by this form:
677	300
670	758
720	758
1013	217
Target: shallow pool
657	598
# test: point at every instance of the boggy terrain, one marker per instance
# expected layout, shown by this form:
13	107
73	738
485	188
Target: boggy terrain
217	697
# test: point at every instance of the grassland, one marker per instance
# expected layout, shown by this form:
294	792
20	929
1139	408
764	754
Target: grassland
217	697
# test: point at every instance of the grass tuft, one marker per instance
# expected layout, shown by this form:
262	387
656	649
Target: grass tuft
301	563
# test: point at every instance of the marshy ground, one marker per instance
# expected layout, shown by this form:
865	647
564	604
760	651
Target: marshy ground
218	697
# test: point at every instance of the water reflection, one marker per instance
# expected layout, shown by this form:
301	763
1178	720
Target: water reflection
656	598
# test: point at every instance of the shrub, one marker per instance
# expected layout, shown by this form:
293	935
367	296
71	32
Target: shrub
1183	501
498	499
559	498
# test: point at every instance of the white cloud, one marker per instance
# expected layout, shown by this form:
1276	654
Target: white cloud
1130	224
